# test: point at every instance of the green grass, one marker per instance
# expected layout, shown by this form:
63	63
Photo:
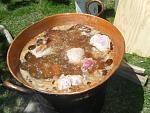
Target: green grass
17	19
122	95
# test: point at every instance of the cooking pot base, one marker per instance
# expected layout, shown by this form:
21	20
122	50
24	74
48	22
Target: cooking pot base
38	104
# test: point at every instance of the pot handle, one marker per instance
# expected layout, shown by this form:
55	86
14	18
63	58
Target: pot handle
8	83
99	2
6	33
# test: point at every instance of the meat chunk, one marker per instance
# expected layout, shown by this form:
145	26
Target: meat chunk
87	64
101	42
75	55
65	82
41	51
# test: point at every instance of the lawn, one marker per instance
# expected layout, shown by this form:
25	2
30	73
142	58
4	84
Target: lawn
122	95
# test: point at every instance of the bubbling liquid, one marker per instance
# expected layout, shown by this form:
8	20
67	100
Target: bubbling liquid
66	58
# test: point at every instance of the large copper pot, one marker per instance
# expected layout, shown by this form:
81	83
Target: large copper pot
85	101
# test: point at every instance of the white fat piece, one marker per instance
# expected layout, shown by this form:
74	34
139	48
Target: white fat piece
41	53
101	42
65	82
98	73
75	79
75	55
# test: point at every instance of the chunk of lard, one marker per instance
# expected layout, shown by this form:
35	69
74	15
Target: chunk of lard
65	82
101	42
75	55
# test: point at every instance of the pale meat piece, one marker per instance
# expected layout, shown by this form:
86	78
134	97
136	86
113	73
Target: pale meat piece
42	51
65	82
101	42
87	63
75	55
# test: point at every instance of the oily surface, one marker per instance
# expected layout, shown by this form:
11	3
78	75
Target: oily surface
44	71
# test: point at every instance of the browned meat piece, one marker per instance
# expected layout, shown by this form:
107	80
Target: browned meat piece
69	69
109	62
40	67
31	47
81	28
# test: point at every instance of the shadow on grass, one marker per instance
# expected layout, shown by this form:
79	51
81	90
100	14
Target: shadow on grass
123	96
18	4
5	1
10	101
3	47
108	13
66	2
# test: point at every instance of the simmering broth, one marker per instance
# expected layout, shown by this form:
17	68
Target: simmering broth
66	58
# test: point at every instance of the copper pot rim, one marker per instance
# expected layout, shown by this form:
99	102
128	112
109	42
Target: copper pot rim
115	67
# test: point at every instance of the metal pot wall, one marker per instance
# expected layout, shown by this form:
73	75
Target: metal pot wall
85	101
88	102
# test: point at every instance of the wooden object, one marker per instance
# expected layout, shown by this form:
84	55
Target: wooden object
133	73
116	4
133	20
132	68
136	78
